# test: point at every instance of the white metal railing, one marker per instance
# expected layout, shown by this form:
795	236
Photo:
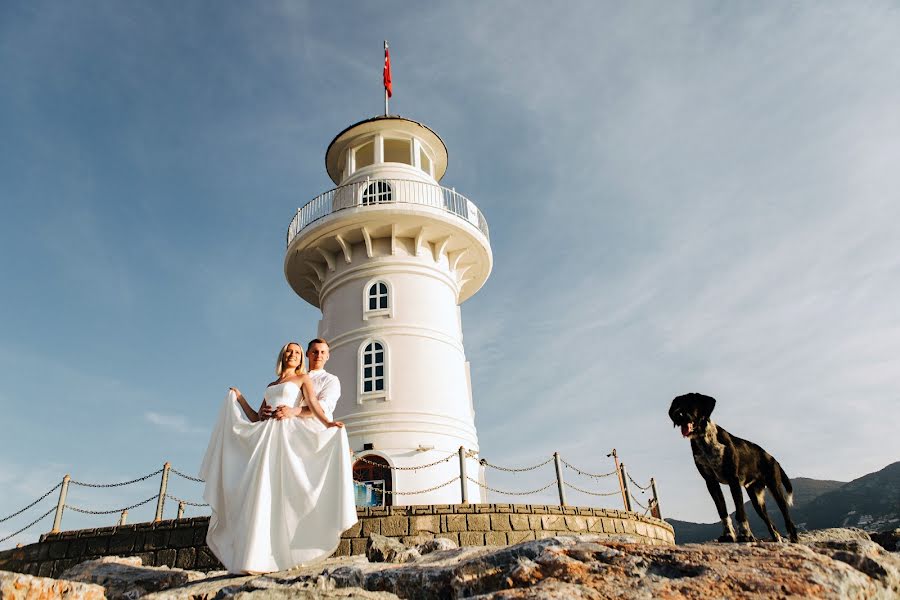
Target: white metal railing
376	192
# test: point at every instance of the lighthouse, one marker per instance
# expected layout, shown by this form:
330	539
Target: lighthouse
389	256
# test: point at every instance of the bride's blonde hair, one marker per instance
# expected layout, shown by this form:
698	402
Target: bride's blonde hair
279	365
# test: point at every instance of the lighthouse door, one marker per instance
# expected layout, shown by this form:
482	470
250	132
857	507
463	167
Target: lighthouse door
372	481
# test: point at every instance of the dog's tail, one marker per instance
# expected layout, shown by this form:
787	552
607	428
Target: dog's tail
786	482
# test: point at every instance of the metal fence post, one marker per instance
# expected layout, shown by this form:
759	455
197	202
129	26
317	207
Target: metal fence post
124	517
61	504
463	480
181	510
161	501
559	480
615	458
624	476
655	510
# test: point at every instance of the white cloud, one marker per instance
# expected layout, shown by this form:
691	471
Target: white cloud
172	423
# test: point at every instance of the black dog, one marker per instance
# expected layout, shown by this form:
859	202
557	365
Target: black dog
723	458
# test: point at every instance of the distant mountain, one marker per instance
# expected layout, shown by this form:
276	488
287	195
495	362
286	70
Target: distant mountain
871	502
806	490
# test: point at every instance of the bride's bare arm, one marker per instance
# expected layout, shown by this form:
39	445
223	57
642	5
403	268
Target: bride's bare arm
251	414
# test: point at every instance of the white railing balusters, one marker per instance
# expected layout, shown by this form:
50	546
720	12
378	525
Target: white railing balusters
402	191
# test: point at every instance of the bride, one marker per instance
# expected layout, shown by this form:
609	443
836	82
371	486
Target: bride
279	480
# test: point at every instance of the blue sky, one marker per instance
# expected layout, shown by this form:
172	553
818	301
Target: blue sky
691	197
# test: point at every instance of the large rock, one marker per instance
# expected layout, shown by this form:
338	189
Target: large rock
837	565
126	578
889	540
306	583
866	557
834	534
384	549
16	586
436	545
594	567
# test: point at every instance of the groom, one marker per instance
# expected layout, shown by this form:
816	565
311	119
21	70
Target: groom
326	385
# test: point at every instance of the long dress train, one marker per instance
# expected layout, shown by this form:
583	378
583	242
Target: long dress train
281	492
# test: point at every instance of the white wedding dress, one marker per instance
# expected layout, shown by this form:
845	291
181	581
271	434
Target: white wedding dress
281	492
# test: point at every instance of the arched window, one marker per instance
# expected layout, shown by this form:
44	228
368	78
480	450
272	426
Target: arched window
376	193
372	481
377	299
378	296
373	380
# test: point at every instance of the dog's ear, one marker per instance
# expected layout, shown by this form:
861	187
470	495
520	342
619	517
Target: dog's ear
705	405
672	408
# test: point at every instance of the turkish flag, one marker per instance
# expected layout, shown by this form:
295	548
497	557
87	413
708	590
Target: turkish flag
387	73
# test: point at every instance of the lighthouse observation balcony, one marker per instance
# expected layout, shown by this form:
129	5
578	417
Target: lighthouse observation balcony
378	192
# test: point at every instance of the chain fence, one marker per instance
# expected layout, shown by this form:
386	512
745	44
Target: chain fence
19	512
188	477
368	484
187	502
415	468
484	462
35	522
639	486
85	511
112	485
590	493
585	473
638	502
462	454
507	493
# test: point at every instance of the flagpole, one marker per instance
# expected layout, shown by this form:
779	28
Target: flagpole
385	89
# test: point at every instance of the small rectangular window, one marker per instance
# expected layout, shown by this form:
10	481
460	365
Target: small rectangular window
367	372
379	371
372	304
379	385
397	151
367	386
365	155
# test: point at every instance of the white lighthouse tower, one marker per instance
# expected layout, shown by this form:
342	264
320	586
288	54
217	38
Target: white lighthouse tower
389	256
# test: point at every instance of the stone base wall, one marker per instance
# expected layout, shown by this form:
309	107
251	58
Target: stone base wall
182	542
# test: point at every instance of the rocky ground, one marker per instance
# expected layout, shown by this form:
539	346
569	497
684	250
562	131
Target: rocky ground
836	564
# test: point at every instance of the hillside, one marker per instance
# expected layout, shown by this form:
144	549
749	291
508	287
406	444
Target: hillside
871	502
806	490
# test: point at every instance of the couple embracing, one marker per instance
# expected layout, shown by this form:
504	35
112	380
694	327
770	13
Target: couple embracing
279	479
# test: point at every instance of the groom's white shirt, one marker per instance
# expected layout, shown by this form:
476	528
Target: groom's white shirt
328	390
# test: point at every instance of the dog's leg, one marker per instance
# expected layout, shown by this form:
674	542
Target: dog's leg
743	525
757	493
715	490
781	500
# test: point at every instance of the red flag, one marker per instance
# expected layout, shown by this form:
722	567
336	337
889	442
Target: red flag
387	72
